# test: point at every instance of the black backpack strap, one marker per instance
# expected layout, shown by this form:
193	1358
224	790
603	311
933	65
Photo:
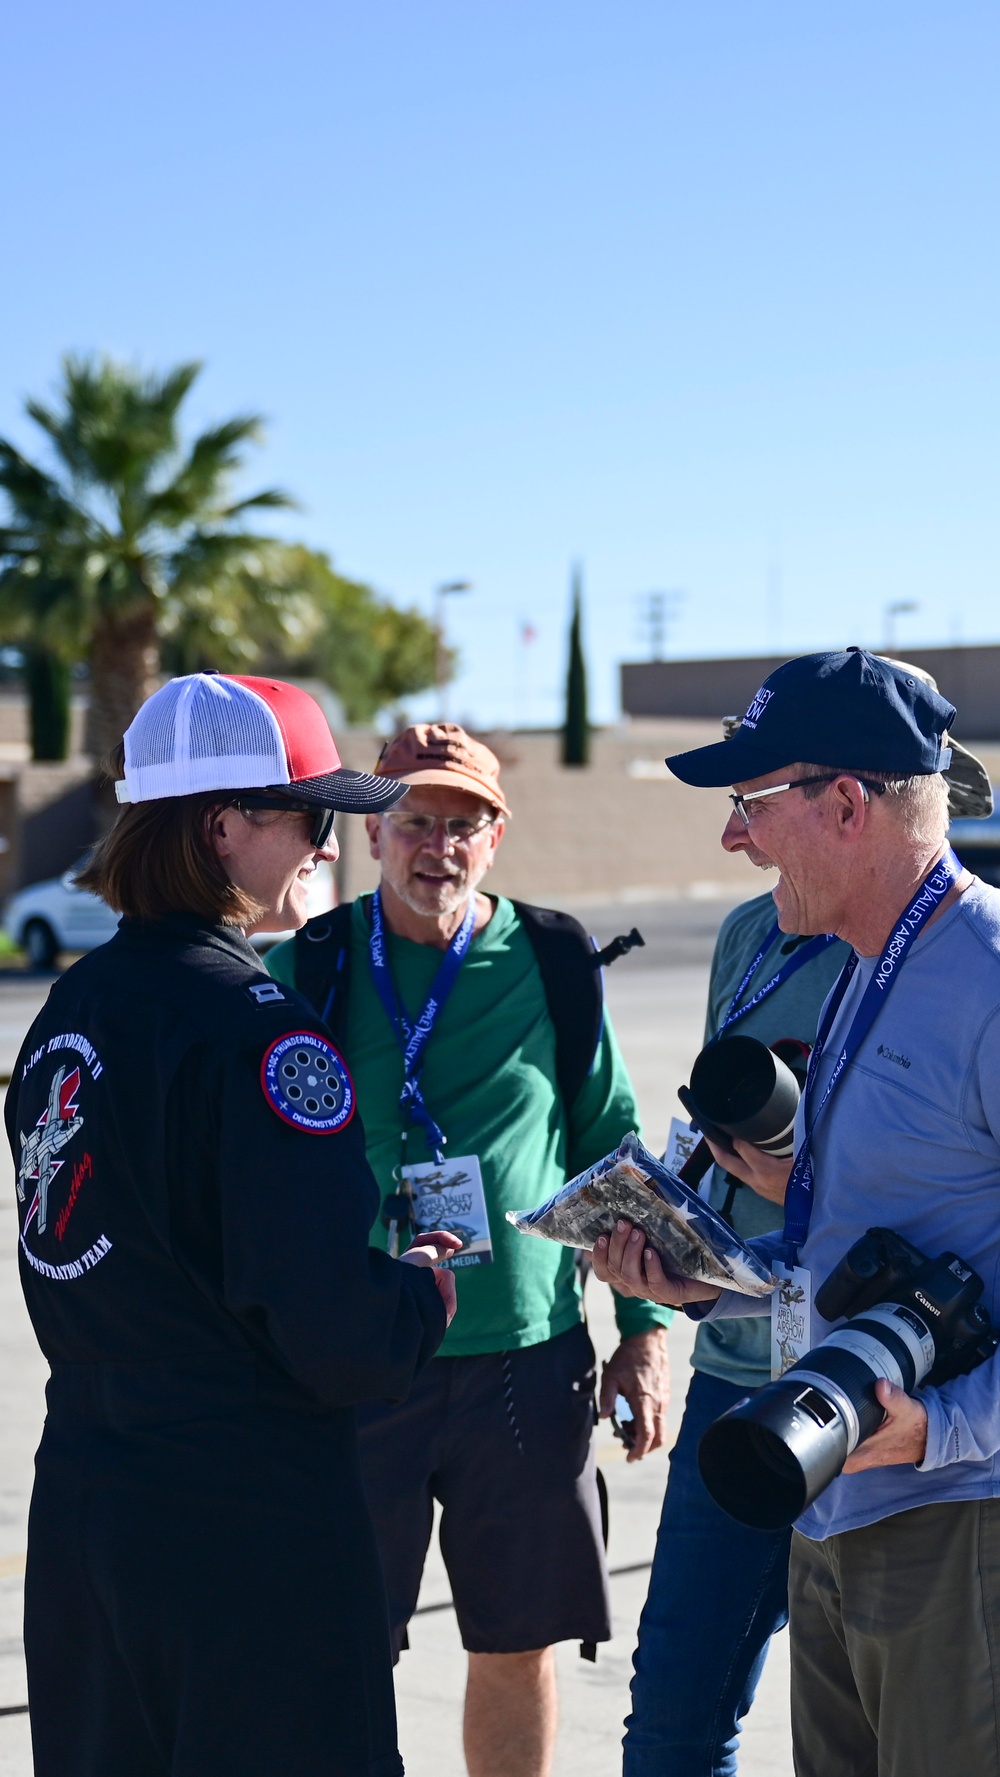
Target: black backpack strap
322	965
574	992
567	963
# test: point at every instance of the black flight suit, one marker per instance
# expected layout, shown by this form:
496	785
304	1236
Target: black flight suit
203	1595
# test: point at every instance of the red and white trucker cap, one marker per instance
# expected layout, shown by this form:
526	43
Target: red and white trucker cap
220	731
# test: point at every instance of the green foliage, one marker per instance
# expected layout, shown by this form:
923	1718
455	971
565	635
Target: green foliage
131	553
325	626
576	728
47	678
128	521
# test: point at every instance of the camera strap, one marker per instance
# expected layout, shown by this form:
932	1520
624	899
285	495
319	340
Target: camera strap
930	894
804	954
414	1038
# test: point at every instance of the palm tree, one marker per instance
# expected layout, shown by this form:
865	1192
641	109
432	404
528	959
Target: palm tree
287	610
128	523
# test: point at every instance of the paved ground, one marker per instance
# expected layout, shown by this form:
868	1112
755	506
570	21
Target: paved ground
657	999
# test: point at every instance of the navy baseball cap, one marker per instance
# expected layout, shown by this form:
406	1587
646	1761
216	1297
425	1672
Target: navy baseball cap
849	709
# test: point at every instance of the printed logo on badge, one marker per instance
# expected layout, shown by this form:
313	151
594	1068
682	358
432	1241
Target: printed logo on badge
791	1317
307	1083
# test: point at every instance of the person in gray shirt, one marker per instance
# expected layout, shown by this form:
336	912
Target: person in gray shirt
895	1569
718	1591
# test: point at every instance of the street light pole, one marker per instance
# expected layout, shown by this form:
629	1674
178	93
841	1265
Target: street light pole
441	664
899	608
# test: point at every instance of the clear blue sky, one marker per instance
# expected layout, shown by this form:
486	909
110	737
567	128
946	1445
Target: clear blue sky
704	295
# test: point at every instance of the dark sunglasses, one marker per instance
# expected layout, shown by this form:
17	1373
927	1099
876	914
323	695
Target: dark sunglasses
321	818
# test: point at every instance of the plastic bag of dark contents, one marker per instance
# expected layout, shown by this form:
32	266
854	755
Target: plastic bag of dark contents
629	1185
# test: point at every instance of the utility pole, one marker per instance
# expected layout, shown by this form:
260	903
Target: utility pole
441	593
661	608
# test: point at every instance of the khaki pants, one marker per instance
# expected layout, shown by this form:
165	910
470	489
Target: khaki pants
895	1646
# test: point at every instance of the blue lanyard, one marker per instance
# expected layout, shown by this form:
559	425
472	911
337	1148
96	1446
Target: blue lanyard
798	959
799	1195
414	1038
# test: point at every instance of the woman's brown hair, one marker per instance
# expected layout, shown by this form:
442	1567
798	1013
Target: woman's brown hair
159	858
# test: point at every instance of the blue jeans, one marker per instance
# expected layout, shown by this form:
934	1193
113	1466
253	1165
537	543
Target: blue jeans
717	1593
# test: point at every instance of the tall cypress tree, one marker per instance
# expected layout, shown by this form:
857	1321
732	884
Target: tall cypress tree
47	679
576	729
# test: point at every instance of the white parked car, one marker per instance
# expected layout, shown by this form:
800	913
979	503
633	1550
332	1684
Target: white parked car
50	917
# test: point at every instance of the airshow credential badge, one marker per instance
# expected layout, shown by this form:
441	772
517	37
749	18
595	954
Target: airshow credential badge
791	1317
449	1195
681	1144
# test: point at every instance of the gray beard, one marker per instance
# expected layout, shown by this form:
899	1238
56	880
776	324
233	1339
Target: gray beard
453	894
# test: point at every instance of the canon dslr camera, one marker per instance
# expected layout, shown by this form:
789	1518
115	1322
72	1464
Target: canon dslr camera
911	1319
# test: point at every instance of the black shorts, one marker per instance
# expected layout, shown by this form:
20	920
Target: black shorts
504	1441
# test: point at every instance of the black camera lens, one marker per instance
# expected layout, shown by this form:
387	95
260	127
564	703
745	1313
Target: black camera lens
771	1454
741	1086
910	1319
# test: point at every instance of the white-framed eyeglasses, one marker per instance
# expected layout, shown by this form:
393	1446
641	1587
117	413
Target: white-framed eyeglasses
460	828
739	800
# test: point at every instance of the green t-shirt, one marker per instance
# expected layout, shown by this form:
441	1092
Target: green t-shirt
489	1081
739	1351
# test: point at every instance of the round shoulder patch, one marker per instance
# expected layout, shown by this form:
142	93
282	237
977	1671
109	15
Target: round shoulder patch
307	1083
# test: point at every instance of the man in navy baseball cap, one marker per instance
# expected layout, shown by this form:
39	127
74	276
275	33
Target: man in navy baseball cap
851	710
838	783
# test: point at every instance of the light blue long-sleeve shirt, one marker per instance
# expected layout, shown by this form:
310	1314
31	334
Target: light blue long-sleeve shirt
910	1140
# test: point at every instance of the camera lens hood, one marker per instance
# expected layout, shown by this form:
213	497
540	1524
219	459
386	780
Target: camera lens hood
744	1088
771	1454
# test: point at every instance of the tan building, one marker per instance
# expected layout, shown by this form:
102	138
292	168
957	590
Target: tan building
970	677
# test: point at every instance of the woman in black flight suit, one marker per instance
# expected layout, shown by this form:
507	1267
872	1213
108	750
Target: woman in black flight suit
203	1596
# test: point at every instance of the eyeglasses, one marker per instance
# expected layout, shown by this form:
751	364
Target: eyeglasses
321	819
461	829
746	814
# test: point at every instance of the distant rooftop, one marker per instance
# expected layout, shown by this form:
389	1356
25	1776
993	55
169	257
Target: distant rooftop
970	677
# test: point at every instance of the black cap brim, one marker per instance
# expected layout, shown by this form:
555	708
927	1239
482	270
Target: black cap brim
353	792
725	762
